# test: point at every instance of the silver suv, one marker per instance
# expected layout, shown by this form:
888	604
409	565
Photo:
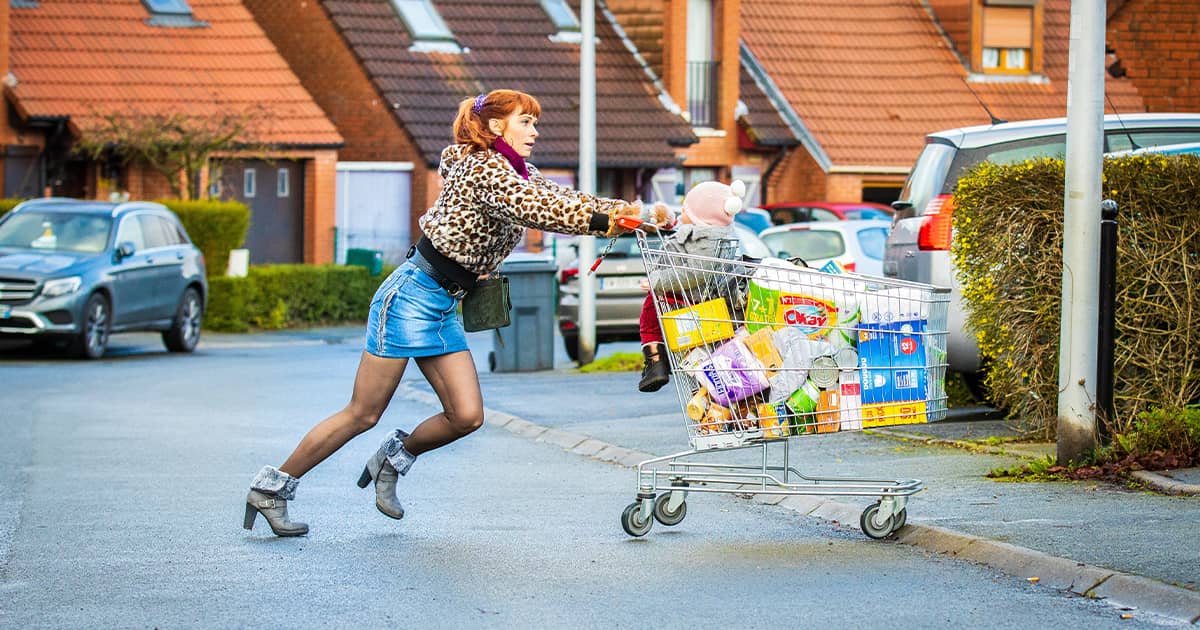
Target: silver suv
78	271
918	247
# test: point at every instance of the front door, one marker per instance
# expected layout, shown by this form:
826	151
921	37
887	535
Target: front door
134	278
274	192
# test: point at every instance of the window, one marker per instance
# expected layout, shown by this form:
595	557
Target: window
168	7
701	67
131	232
561	14
283	183
422	20
249	183
1007	38
171	13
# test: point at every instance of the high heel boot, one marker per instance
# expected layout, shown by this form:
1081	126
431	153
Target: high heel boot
269	495
656	371
385	468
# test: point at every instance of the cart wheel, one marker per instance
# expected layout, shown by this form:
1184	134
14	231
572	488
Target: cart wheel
665	516
900	519
631	520
870	528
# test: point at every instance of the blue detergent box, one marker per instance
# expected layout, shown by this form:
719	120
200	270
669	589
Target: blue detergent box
893	361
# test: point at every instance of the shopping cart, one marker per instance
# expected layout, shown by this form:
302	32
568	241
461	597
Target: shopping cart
762	352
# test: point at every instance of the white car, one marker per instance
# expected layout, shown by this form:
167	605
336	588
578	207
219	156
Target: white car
856	245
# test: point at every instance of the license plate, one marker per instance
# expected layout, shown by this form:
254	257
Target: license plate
620	282
5	310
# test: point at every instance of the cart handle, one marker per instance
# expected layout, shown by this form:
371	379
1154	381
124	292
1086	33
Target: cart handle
633	224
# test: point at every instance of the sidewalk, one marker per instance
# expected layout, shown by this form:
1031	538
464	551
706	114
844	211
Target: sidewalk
1136	548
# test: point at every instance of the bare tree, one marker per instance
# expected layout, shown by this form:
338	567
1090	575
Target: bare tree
177	145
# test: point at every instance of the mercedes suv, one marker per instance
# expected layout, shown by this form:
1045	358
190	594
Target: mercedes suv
77	271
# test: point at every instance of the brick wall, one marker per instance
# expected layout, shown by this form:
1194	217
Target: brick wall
318	55
642	21
798	178
320	212
1156	42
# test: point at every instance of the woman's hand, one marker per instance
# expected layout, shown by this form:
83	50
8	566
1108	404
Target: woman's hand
629	210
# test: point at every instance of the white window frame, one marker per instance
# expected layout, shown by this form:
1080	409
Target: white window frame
249	183
426	26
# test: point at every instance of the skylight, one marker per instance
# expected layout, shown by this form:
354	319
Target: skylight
168	7
564	19
422	20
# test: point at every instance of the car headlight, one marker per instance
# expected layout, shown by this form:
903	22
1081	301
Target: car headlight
61	286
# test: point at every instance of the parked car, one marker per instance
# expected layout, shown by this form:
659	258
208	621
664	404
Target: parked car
619	289
787	212
756	219
856	245
918	247
78	271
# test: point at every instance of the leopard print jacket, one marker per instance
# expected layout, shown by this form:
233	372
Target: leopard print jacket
485	205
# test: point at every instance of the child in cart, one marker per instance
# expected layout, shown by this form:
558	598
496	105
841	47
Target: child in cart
704	222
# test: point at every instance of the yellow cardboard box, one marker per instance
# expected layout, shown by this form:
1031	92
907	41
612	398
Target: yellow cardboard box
887	414
706	322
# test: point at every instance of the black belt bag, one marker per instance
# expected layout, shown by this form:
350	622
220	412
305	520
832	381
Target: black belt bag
487	306
485	303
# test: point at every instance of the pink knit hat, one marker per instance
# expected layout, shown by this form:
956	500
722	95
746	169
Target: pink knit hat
714	203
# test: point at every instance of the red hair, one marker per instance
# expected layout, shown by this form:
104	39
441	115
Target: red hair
471	127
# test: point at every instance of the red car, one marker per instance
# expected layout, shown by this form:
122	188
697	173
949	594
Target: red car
805	211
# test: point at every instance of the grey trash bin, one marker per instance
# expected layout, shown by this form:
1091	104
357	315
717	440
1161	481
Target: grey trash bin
527	343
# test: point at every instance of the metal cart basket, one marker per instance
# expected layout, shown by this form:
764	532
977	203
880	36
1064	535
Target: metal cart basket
762	352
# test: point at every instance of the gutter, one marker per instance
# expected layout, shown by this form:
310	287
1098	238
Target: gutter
784	108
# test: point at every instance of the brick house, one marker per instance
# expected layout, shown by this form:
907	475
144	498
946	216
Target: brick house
1153	43
390	75
831	99
69	66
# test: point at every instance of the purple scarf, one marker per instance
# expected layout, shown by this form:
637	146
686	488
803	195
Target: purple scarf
510	153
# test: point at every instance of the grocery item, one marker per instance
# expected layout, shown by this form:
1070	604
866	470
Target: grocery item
893	361
798	352
828	406
888	414
703	323
850	400
716	420
803	403
698	405
773	420
762	344
824	372
732	373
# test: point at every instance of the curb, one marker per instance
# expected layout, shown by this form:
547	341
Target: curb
1120	589
1165	484
1160	483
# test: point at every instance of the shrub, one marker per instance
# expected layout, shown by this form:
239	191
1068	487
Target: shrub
284	296
1008	253
215	227
8	204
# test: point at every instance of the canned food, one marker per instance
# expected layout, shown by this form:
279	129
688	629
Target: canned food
824	372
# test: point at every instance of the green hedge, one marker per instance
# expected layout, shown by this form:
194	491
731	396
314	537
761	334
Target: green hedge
1008	252
284	296
8	204
215	227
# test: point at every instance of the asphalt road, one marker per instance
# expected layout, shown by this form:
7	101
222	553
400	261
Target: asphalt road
122	481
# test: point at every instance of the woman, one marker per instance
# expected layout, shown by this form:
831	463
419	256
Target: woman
489	196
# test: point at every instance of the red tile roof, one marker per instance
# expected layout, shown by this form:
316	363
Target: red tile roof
84	59
869	78
507	45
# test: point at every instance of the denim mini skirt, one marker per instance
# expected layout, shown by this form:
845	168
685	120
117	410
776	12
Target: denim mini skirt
413	316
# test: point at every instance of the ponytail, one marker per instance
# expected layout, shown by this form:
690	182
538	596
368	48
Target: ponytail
470	125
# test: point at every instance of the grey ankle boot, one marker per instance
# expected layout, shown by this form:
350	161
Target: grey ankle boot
269	495
385	467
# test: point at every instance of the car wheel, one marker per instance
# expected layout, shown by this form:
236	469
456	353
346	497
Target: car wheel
185	331
92	340
571	342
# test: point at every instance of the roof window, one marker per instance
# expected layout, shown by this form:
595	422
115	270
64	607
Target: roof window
171	13
428	30
563	17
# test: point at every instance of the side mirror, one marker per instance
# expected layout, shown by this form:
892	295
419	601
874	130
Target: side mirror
124	250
